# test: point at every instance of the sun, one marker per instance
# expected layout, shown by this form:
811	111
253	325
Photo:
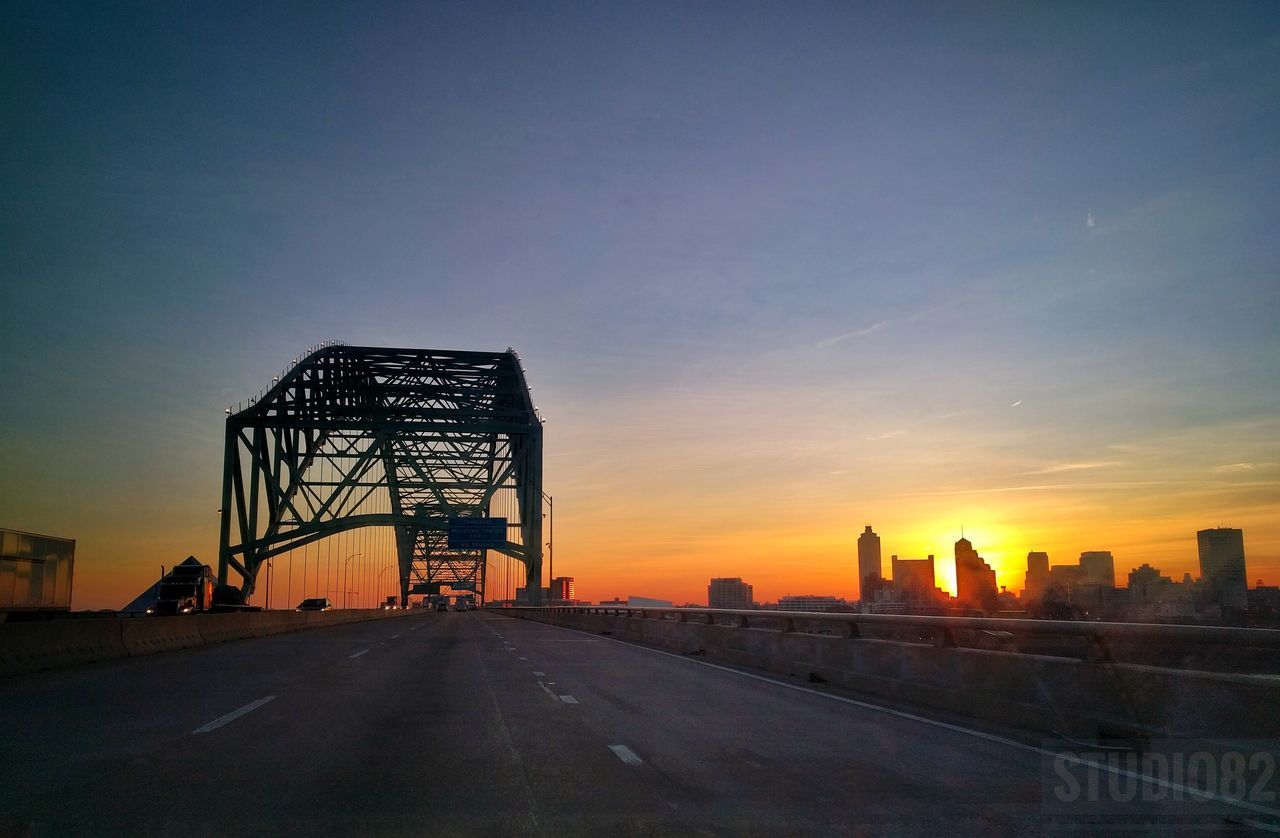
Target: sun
996	543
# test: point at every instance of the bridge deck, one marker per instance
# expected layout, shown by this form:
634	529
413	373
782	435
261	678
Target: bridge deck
461	722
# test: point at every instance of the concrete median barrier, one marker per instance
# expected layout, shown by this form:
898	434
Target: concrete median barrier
161	634
27	647
35	646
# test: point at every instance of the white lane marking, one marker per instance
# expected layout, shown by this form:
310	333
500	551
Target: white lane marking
628	756
546	690
568	699
233	715
977	734
358	654
394	636
573	640
524	659
538	672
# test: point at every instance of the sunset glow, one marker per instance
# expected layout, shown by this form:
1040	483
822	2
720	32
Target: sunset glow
910	273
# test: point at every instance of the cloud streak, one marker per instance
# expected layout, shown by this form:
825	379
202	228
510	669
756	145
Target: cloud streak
1059	468
1240	468
856	333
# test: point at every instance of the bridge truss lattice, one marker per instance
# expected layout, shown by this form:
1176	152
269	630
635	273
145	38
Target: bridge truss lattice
358	436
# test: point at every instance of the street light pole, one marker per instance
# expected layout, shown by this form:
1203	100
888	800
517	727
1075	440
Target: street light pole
378	586
345	563
551	539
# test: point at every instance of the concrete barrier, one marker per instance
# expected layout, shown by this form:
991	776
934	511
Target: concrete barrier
1056	696
26	647
160	634
30	647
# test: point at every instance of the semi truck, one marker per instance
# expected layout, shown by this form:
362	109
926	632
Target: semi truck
186	589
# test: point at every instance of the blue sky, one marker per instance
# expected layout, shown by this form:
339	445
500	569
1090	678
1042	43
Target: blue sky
775	242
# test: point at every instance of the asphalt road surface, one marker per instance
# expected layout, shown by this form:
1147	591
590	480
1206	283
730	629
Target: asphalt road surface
470	723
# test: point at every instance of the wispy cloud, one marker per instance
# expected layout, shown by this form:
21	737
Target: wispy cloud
1058	468
1047	487
856	333
887	435
1240	468
1015	404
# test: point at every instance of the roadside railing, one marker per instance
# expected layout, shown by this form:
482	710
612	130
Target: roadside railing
1212	648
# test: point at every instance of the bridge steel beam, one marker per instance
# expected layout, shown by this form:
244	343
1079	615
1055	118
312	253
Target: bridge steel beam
360	436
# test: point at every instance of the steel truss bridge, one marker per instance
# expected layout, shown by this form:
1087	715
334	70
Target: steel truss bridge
358	436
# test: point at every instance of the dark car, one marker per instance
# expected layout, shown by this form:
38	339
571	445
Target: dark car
314	604
442	606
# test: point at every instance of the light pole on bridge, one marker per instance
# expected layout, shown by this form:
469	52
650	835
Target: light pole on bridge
551	539
345	563
378	586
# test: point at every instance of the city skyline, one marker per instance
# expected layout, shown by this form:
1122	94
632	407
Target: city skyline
773	274
1098	567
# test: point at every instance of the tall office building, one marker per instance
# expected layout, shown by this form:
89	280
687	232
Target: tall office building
868	561
1097	567
729	593
562	588
975	580
913	579
1222	565
1037	575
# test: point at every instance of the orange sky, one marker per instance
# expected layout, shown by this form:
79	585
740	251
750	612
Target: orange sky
779	495
774	276
656	493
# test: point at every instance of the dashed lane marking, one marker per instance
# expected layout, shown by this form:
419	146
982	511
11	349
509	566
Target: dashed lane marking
233	715
628	756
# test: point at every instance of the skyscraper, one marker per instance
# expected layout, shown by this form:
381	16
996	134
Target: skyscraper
975	580
562	588
1222	565
1098	567
1037	575
729	593
868	560
913	579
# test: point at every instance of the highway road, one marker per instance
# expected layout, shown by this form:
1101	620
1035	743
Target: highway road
463	723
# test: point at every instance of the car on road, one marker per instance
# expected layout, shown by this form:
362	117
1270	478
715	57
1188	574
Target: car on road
442	606
314	604
461	606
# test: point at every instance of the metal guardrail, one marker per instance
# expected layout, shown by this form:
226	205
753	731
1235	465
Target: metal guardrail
1210	647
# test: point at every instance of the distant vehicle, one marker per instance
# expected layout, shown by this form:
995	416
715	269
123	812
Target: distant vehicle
314	604
442	606
461	606
392	604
